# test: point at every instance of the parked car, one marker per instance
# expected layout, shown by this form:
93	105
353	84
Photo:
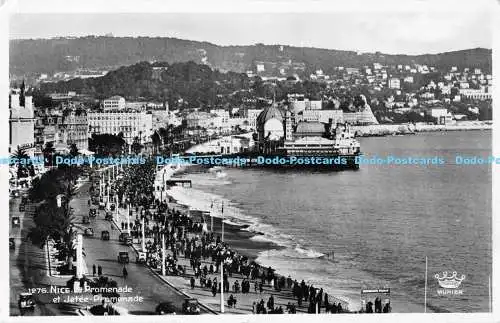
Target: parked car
191	306
16	222
112	207
123	257
141	258
26	301
24	199
127	241
122	236
109	216
85	219
165	308
105	235
93	212
12	243
22	207
89	232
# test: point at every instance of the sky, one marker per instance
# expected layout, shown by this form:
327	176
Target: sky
417	30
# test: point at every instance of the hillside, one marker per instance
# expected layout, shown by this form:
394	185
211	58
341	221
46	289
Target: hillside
28	57
197	85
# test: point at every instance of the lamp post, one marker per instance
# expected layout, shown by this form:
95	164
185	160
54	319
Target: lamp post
211	217
163	254
222	267
128	219
143	236
116	206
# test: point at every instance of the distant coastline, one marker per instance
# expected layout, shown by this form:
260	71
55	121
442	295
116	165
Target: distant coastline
410	129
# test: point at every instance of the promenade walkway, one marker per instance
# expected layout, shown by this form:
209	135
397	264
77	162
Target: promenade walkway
245	302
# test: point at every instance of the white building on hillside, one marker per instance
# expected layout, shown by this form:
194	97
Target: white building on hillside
114	103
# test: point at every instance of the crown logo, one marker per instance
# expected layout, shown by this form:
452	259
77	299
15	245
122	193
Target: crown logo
449	282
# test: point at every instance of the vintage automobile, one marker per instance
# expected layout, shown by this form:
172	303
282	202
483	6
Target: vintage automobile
141	257
191	306
102	205
105	235
22	207
95	200
123	257
109	216
127	241
26	301
112	207
165	308
24	199
89	232
93	212
85	219
12	243
122	236
16	222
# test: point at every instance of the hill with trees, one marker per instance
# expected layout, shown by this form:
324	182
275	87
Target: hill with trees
194	84
35	56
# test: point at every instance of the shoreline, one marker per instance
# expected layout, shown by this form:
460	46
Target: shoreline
234	234
247	243
382	130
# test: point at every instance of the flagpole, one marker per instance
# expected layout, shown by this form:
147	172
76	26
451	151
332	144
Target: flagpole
425	290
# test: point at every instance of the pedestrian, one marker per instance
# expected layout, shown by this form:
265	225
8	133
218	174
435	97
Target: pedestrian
261	288
93	270
270	303
192	282
99	270
214	289
125	273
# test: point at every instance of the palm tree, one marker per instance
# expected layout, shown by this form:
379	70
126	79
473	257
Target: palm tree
48	153
156	140
73	150
136	146
23	170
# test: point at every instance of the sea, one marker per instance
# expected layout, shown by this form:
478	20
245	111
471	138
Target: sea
372	228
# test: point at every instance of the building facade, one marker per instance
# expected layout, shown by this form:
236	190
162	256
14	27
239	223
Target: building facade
394	83
74	128
47	128
21	122
130	124
114	103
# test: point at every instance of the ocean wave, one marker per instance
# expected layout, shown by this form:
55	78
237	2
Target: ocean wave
309	253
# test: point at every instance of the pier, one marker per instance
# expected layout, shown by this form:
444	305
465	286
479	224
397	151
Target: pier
183	182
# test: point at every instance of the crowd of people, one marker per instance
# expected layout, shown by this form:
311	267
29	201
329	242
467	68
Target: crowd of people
187	237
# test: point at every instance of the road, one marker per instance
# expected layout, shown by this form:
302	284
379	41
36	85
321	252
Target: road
28	267
105	253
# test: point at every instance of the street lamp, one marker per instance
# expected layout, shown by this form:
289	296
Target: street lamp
222	266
